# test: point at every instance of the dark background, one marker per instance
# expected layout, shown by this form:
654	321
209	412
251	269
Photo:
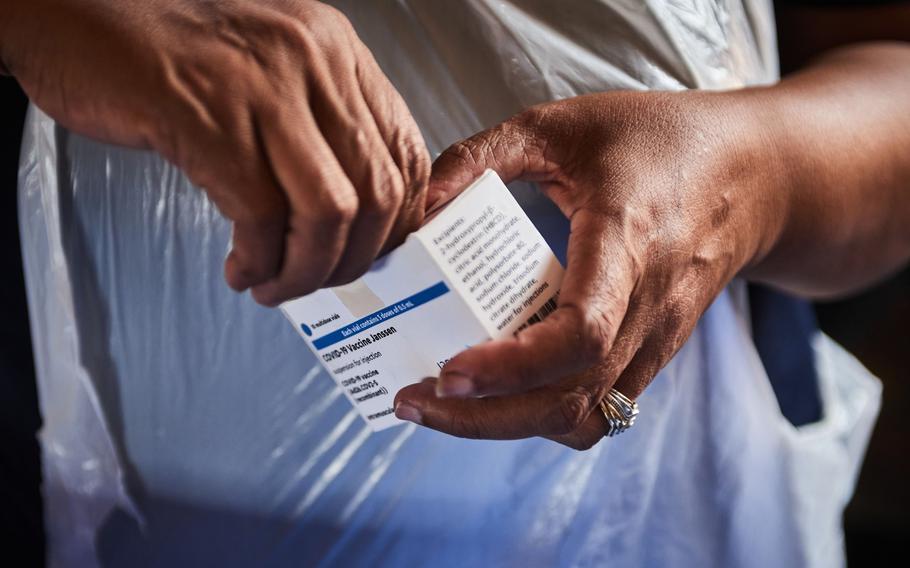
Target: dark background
876	328
874	325
21	521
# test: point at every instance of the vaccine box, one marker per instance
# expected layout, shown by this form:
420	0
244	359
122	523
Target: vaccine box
478	270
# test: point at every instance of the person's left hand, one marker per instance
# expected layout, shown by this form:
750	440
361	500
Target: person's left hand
669	195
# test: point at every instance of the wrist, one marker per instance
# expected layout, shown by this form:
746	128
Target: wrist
756	146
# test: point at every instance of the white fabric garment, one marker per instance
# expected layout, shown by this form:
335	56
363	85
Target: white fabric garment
186	426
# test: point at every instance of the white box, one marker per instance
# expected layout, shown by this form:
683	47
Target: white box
477	270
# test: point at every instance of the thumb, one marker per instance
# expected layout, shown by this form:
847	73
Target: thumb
514	149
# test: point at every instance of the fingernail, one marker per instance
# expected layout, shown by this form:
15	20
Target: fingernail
407	412
454	384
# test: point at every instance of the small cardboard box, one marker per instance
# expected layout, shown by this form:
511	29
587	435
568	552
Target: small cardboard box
478	270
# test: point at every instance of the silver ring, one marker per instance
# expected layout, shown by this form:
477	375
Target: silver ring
620	412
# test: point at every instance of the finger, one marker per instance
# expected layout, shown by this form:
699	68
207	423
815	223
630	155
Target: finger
592	430
403	140
257	247
669	330
599	280
567	413
541	412
230	164
553	410
513	149
352	133
629	358
322	201
586	436
502	418
571	410
658	349
639	373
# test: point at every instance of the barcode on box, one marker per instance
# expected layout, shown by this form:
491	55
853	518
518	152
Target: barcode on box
545	310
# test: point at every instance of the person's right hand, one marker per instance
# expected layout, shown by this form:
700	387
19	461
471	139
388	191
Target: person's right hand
275	108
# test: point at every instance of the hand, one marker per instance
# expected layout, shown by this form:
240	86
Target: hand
668	200
275	108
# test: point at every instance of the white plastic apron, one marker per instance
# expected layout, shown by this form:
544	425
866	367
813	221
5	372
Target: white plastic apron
185	425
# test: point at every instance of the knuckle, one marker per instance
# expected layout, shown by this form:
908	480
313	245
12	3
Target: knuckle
595	326
329	14
242	275
581	442
281	29
260	217
462	152
297	35
242	271
474	150
321	24
294	33
571	412
413	173
304	42
531	118
337	211
249	200
397	189
417	166
383	194
253	266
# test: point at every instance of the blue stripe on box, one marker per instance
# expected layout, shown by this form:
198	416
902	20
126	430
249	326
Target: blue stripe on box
381	316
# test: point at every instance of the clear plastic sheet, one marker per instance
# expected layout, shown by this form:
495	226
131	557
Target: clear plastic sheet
185	425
